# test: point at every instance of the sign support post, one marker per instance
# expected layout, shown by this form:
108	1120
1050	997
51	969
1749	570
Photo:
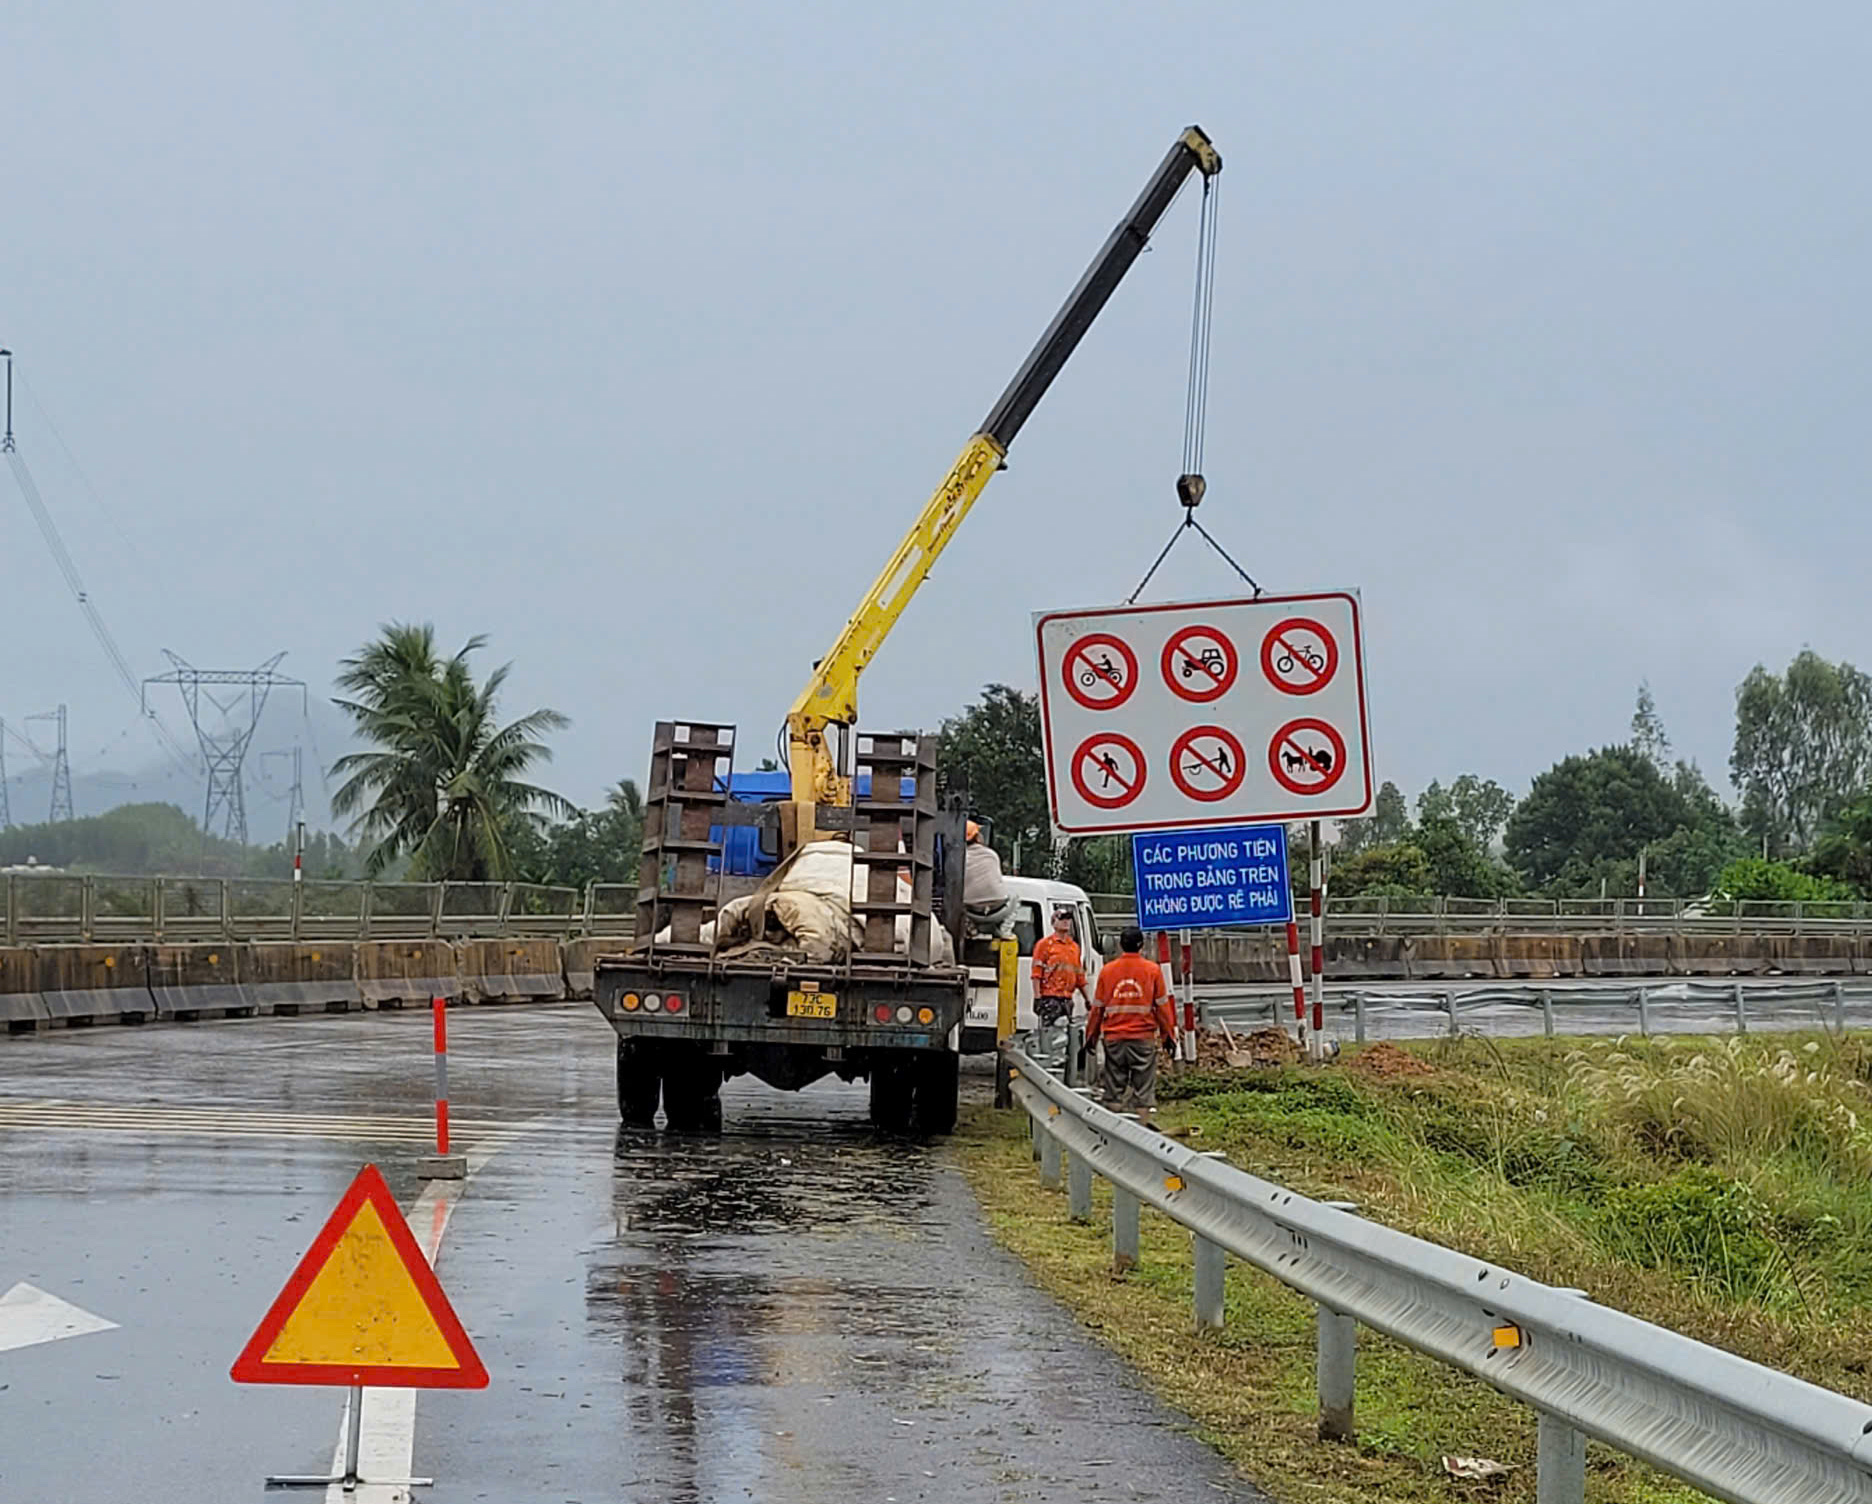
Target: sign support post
1317	877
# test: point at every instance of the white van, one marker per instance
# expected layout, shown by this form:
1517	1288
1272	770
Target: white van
1038	898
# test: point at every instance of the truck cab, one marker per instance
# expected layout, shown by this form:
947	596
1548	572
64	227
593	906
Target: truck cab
1037	898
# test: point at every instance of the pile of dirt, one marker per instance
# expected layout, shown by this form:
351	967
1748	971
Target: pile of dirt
1386	1061
1264	1048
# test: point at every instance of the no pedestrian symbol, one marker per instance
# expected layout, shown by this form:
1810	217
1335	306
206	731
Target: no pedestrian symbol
1299	656
1108	770
1207	763
1307	756
1200	664
1100	671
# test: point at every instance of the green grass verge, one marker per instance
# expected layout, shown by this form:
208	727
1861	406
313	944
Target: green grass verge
1721	1188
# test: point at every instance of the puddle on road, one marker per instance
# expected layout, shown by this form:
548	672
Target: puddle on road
766	1291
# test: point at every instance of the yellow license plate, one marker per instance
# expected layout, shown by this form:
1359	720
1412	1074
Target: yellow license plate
812	1005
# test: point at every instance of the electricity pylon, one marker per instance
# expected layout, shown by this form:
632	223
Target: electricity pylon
224	751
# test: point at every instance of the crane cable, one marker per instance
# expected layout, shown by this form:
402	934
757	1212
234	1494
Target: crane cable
1190	484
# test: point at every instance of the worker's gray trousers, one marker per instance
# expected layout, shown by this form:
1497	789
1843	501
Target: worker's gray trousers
1050	1042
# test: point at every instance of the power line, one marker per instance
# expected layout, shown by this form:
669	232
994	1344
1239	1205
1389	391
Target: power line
61	556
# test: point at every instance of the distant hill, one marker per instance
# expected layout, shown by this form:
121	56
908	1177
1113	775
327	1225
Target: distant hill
139	840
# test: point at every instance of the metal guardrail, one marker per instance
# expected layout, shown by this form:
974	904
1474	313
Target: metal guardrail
1733	1428
1565	916
62	907
1676	1006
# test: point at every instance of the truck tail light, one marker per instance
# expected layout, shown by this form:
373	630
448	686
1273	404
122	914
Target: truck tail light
926	1015
652	1003
882	1013
632	1002
904	1015
673	1003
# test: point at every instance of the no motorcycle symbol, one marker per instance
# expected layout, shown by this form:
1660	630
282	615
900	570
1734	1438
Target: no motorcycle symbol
1101	671
1307	757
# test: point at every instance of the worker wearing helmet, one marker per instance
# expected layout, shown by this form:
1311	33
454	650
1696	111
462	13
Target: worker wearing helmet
984	890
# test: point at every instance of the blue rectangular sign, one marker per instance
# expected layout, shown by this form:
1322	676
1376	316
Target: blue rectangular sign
1195	879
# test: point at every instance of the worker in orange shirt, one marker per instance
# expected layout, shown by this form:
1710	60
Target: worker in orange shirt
1132	1014
1058	973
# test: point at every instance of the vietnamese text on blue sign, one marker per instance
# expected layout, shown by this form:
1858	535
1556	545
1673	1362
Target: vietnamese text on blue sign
1189	879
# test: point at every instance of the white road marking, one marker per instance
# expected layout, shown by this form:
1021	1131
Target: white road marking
387	1436
28	1316
161	1119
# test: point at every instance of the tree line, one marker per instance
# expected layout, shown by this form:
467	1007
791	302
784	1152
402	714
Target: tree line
1590	826
443	789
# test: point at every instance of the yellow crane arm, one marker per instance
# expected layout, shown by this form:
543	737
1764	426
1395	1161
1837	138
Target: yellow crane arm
830	697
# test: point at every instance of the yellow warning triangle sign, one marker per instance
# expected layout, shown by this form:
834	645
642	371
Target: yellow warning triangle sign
363	1307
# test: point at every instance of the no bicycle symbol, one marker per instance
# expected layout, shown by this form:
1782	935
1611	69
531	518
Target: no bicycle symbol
1108	770
1307	756
1207	763
1200	664
1299	656
1100	671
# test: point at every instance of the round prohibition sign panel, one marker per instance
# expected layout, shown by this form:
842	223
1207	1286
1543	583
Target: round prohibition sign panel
1200	664
1207	763
1297	761
1299	656
1093	677
1108	770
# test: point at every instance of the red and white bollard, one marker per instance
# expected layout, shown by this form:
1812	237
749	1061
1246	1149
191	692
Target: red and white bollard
1187	965
1299	982
442	1165
1318	1044
441	1054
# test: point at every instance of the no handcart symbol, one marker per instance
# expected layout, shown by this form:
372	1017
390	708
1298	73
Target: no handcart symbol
1207	763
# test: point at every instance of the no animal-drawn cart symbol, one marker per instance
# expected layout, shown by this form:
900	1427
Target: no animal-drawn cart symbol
1100	671
1207	763
1108	770
1307	756
1200	664
1299	656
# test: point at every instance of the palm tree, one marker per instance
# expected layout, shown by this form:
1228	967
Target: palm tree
444	786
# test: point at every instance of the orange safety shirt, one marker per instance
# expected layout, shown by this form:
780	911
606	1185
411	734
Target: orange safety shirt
1132	1001
1056	968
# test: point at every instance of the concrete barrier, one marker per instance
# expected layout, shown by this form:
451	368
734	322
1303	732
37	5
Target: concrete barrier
306	978
1364	958
1536	956
579	958
506	971
196	981
91	984
392	973
1721	955
1452	956
1238	958
21	1007
1812	955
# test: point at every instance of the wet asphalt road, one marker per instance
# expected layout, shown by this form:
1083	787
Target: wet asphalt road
797	1311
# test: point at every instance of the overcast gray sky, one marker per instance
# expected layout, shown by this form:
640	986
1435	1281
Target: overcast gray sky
634	336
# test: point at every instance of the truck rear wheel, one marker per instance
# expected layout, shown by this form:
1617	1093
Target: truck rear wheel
892	1095
639	1081
937	1095
692	1093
